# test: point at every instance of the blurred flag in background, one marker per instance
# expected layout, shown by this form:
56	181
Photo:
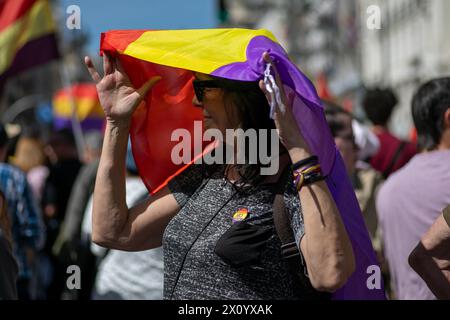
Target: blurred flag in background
83	97
27	36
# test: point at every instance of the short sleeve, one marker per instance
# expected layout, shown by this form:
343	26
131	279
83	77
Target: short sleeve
447	215
295	213
186	183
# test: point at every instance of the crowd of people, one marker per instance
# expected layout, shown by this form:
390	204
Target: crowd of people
45	194
54	203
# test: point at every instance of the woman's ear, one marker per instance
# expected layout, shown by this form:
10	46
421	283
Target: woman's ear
447	119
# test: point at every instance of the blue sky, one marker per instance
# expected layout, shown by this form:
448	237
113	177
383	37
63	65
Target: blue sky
102	15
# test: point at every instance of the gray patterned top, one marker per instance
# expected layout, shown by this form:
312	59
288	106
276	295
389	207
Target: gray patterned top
193	270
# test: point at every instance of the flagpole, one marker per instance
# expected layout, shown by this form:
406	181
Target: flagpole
67	83
76	125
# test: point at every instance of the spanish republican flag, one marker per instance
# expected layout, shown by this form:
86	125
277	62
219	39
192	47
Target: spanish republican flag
234	54
27	36
80	100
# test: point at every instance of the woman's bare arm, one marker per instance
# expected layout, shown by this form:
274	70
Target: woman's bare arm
115	225
326	245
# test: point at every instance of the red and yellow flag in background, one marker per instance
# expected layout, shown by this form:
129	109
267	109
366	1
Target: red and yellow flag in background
27	36
83	99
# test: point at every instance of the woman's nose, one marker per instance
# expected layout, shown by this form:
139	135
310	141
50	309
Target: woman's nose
196	103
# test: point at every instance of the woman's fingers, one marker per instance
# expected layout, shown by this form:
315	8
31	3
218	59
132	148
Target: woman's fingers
291	97
268	59
145	88
107	64
92	71
262	86
118	65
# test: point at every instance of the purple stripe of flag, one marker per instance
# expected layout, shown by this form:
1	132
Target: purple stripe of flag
34	52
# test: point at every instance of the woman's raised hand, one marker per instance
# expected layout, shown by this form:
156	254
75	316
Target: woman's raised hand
118	98
288	131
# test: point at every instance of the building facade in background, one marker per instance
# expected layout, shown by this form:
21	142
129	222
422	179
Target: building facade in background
332	38
411	47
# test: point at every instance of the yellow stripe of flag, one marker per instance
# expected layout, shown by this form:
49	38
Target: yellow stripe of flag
85	107
179	48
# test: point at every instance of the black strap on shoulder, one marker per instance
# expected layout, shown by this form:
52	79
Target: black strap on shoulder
394	159
289	249
281	220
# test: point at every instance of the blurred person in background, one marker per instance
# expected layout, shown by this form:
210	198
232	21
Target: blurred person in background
394	153
29	153
28	231
411	200
365	139
126	275
431	258
93	141
30	157
68	247
63	170
365	180
8	265
367	142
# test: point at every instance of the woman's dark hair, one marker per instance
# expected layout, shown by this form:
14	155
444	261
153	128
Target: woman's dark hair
247	108
333	112
429	105
378	105
3	137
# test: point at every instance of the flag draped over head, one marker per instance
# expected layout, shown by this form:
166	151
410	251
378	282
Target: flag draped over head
27	36
83	99
234	54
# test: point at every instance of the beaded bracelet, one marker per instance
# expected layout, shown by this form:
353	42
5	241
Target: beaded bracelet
308	176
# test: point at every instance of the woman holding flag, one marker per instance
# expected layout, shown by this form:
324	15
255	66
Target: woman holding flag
221	241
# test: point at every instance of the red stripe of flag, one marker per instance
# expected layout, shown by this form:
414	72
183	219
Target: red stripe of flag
118	40
12	10
81	90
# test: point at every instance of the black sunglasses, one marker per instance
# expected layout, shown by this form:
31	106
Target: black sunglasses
200	85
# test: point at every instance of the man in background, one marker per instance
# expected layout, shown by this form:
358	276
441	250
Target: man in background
393	153
411	200
28	231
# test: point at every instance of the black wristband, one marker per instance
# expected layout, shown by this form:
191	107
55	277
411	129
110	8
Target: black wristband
308	161
313	178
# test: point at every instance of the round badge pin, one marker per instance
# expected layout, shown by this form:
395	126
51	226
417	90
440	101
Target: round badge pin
240	215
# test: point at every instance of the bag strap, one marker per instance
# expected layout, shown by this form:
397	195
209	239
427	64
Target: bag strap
289	249
281	220
394	159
